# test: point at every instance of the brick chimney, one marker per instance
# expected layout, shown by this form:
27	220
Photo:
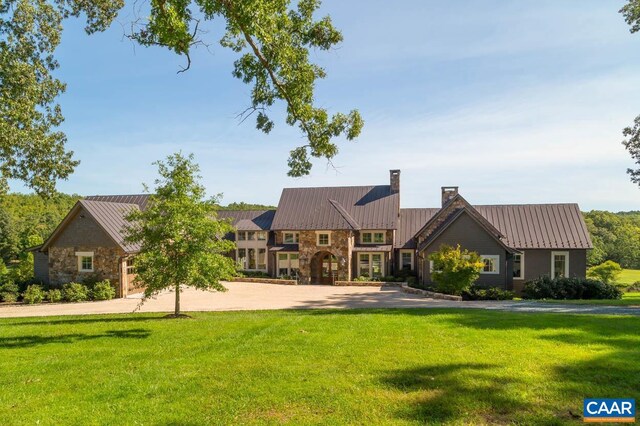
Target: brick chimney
448	192
394	180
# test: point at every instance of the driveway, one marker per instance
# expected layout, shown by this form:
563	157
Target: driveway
252	296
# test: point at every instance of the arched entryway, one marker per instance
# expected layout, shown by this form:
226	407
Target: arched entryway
324	268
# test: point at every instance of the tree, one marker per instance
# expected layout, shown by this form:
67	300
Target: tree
631	13
607	272
455	269
181	242
273	39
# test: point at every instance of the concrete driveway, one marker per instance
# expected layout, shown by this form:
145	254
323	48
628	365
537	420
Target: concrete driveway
252	296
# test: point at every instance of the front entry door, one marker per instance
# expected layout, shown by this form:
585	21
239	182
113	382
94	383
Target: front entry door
328	269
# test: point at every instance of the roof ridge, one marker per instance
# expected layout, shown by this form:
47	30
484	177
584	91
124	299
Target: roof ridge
345	214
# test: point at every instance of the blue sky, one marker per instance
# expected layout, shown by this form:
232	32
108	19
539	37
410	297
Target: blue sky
513	101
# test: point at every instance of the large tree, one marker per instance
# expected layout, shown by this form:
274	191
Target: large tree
182	242
273	39
631	13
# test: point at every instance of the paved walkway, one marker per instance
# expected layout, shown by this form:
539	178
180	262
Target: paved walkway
251	296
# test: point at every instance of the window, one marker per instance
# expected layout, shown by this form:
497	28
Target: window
241	259
324	239
288	264
370	265
491	264
559	264
85	261
251	236
434	267
262	236
518	266
291	238
130	266
242	236
372	237
406	260
251	258
262	258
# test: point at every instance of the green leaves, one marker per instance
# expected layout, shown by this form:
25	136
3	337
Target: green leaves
631	13
455	269
273	39
632	144
182	242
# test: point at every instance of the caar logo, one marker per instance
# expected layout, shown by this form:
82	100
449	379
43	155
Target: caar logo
609	410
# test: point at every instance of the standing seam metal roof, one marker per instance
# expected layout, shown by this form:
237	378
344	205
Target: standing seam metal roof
348	207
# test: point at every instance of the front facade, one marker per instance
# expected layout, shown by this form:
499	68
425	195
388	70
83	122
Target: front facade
324	235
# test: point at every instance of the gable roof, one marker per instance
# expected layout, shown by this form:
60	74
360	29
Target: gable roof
346	207
524	226
109	216
451	218
140	199
249	220
411	221
539	226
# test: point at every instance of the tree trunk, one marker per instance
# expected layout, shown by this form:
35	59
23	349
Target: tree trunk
177	310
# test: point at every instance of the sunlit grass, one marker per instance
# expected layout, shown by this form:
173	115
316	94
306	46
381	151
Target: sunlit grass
299	367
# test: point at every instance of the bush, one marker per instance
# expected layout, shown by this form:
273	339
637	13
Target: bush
455	269
569	288
9	291
33	294
491	293
607	272
634	287
103	290
252	274
54	295
75	292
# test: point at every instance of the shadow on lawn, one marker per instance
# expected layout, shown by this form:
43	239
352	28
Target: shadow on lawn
30	341
88	319
447	391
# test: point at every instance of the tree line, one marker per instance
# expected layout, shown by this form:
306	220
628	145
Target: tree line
26	220
615	236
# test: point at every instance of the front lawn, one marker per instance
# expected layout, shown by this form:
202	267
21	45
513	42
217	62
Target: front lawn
629	276
628	299
299	367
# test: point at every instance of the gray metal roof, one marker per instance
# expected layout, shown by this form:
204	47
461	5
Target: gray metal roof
347	207
524	226
373	247
411	221
140	199
539	226
249	220
112	218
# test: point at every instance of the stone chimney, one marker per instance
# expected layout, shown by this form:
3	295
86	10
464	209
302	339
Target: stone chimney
448	192
394	180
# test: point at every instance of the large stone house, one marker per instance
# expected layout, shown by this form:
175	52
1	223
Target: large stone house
328	234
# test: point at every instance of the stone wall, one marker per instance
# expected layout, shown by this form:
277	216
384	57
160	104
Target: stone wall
443	215
63	264
342	242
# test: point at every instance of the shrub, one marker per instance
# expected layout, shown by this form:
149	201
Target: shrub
54	295
252	274
634	287
33	294
569	288
103	290
491	293
75	292
455	269
607	272
9	291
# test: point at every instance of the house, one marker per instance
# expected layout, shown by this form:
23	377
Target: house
327	234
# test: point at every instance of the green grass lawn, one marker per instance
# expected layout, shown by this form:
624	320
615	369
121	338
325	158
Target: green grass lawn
300	367
629	276
628	299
